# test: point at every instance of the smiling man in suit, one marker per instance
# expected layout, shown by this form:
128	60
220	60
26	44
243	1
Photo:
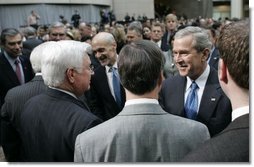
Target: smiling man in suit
232	144
103	100
191	48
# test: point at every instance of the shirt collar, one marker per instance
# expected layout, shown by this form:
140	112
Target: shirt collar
141	101
239	112
65	91
108	67
201	80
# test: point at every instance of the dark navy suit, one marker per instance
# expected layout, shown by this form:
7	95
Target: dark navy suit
8	77
214	110
101	101
10	115
49	125
231	145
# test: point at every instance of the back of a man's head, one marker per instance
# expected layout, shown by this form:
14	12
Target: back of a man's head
140	64
40	52
233	45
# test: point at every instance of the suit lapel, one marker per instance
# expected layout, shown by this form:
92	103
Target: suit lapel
179	96
102	79
210	97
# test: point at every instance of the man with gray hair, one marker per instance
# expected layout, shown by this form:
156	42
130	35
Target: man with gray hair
57	31
31	40
195	93
232	144
57	116
134	31
107	97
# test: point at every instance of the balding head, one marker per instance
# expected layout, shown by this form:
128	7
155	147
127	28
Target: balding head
104	48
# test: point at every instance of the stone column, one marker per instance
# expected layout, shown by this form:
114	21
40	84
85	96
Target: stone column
237	8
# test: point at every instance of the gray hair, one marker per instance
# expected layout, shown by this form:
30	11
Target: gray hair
29	32
136	26
66	54
56	24
40	52
200	36
9	32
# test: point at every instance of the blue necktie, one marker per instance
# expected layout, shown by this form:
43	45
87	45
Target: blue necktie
191	104
116	86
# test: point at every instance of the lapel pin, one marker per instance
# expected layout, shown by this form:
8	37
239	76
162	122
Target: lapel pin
213	99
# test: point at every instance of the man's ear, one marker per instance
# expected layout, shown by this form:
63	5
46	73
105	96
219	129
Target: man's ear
222	72
161	78
205	55
70	75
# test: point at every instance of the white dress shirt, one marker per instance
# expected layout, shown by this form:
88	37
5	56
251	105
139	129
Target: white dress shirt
200	81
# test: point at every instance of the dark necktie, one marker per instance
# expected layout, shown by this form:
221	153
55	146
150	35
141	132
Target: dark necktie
18	71
116	86
191	104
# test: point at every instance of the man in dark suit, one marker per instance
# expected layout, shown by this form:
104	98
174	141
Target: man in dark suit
51	121
14	103
11	40
31	41
102	97
232	144
191	49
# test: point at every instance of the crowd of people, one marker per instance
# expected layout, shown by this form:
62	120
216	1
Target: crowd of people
138	91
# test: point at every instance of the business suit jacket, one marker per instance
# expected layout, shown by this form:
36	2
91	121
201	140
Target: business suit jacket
164	42
49	125
214	110
231	145
140	133
10	115
214	60
8	77
101	101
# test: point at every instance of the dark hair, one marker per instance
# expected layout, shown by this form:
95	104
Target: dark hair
8	32
140	64
233	45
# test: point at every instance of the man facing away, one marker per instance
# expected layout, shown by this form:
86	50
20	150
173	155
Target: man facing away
142	131
232	144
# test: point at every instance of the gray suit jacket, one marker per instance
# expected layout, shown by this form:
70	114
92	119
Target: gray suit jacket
140	133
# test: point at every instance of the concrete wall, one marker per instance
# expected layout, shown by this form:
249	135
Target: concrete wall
137	7
96	2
